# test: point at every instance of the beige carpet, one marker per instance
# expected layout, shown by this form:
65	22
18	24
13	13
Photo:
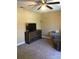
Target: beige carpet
39	49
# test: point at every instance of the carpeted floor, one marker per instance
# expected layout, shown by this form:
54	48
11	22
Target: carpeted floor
39	49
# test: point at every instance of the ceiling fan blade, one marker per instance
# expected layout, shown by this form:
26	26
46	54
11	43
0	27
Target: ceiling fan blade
39	8
33	5
53	3
49	7
21	7
45	1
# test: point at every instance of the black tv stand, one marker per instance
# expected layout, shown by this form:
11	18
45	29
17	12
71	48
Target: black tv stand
32	36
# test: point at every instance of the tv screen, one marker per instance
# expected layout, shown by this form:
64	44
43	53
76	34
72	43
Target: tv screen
31	27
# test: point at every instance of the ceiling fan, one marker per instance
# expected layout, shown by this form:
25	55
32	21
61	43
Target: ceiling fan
40	3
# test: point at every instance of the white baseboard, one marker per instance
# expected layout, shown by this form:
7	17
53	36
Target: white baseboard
20	43
45	37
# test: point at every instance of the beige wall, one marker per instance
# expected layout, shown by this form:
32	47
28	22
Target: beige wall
21	19
51	21
45	21
24	16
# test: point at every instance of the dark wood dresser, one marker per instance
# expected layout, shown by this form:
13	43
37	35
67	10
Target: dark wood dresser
32	36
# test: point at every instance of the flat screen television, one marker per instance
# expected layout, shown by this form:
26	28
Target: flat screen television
31	27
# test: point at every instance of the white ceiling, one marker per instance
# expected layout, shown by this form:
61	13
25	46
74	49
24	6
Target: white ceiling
25	3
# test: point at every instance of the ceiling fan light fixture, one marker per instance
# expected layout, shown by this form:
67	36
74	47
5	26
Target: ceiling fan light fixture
43	1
